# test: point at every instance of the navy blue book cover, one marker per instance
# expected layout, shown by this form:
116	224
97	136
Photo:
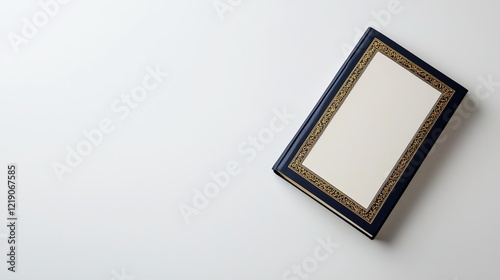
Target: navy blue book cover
365	139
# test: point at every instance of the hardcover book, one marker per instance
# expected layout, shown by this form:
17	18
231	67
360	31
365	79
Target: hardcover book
365	139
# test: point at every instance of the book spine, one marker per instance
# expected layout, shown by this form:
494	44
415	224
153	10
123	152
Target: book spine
280	163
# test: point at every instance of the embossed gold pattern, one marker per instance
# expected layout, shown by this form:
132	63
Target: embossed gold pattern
372	211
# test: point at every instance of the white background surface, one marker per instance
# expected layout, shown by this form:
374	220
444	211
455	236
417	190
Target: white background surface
116	215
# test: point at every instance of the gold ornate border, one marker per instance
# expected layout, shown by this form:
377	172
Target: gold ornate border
372	211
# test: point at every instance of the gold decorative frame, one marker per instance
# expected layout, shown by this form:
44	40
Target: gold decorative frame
369	214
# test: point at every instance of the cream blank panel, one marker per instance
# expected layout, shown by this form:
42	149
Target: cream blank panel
371	130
